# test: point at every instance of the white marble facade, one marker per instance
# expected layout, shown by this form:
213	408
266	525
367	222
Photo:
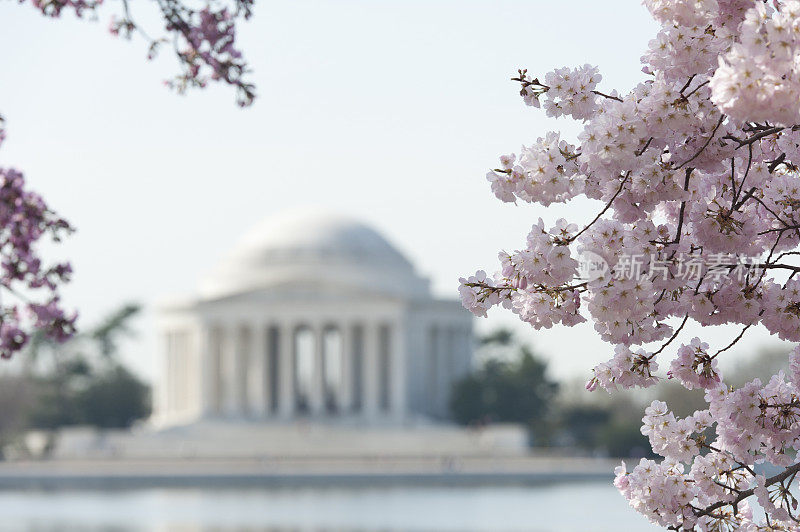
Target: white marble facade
311	316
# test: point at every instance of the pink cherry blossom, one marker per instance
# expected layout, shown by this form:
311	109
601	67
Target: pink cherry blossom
697	171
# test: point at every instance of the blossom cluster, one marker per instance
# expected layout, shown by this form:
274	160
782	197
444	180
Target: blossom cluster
694	367
697	171
31	287
627	370
758	78
204	38
208	50
709	471
545	172
53	8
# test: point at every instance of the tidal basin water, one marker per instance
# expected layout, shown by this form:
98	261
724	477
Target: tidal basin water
578	506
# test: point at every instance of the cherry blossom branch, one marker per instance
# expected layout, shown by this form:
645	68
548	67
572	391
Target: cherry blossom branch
705	145
783	475
640	152
728	205
203	38
686	96
734	342
209	42
671	338
758	136
601	213
682	212
610	97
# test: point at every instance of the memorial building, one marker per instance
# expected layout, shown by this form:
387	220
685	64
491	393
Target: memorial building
310	317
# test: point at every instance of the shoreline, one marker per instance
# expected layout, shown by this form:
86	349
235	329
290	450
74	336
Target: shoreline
266	472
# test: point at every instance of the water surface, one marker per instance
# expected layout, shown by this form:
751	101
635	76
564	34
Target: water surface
568	507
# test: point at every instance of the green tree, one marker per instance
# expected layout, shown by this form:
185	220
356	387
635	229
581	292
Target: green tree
114	399
82	381
515	390
611	428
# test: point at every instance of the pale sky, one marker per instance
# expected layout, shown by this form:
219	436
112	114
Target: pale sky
391	111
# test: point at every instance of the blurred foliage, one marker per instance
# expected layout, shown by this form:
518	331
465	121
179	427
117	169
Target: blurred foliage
79	382
512	385
763	365
500	336
608	427
110	397
113	400
85	384
680	400
16	394
515	391
107	333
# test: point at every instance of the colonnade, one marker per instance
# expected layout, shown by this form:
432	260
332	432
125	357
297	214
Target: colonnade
286	369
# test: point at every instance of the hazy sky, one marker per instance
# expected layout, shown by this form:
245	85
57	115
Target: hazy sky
391	111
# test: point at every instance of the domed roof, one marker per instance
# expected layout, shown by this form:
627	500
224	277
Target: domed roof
310	248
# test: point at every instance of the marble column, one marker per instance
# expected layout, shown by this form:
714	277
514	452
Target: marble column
443	369
168	386
286	399
244	342
231	371
357	365
316	400
208	371
431	368
179	371
346	386
371	377
256	375
398	369
176	372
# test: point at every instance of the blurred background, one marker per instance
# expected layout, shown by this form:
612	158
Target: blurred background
270	337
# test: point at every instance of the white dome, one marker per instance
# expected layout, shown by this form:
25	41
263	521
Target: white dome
309	249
